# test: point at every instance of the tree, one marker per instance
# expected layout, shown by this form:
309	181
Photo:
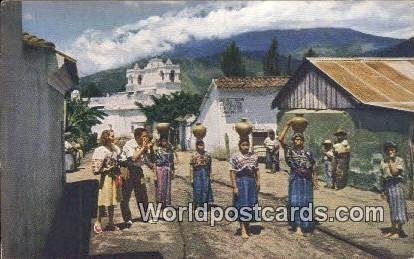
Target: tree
80	118
310	53
289	65
167	108
270	60
231	61
91	90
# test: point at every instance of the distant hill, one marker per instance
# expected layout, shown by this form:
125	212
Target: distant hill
199	60
325	41
403	49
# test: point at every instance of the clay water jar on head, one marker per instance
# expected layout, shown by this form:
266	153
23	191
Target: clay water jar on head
299	123
199	130
163	128
243	128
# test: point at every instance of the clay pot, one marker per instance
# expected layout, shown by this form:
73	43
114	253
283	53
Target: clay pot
299	123
199	130
163	128
243	128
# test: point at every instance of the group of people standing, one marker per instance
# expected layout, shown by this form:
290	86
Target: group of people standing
244	175
336	157
115	188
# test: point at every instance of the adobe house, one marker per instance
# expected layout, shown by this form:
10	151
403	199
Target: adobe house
34	79
371	98
230	99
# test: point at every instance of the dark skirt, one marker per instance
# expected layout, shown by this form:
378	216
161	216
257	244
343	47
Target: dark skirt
394	192
202	192
341	171
247	195
300	194
272	159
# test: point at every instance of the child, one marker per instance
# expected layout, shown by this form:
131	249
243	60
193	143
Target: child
200	175
328	159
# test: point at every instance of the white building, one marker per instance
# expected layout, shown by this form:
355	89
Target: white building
157	78
230	99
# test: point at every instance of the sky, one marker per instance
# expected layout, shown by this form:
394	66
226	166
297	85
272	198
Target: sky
108	34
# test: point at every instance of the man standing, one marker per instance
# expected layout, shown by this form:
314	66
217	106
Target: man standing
272	152
342	157
137	152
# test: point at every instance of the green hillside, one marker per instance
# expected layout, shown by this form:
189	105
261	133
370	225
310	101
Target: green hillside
196	74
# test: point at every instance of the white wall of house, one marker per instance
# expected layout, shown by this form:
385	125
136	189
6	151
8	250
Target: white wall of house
219	117
123	122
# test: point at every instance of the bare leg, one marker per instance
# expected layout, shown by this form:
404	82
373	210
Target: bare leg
243	230
111	215
97	226
299	232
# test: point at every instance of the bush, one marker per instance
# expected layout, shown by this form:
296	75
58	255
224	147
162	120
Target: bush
220	154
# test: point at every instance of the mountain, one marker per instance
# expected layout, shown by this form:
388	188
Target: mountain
403	49
325	41
199	59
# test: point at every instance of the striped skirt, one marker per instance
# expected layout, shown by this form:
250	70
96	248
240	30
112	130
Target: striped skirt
202	192
300	194
394	191
163	185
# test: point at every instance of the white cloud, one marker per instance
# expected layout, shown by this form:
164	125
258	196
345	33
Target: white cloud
98	50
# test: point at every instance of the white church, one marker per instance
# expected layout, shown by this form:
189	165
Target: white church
156	78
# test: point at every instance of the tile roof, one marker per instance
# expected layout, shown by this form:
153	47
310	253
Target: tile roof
251	82
384	82
36	42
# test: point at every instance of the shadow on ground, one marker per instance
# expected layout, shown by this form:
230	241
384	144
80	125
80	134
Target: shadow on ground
69	236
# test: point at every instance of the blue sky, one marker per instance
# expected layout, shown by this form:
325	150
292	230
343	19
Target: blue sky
108	34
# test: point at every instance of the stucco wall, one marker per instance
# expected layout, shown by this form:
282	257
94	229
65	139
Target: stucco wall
367	130
121	122
256	108
31	141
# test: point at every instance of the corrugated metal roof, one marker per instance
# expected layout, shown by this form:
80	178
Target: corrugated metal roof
251	82
384	82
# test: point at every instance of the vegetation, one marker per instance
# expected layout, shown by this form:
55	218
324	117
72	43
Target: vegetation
167	108
91	90
79	121
310	53
270	60
289	65
231	61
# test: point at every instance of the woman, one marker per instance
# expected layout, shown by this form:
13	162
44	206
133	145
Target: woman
301	180
200	175
164	166
105	164
245	178
392	169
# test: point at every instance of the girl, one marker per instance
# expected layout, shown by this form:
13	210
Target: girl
245	178
392	169
105	164
200	175
164	167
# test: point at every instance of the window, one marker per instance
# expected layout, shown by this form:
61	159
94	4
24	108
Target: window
162	75
139	79
172	76
131	79
231	105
